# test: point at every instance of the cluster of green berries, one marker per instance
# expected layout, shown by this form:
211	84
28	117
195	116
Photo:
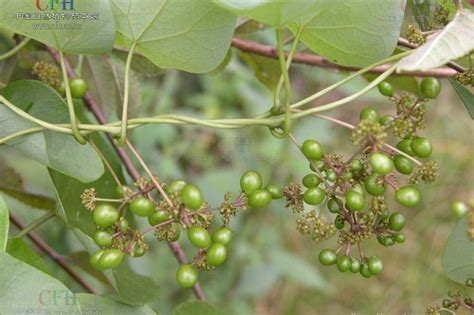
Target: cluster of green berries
251	183
455	301
184	209
367	267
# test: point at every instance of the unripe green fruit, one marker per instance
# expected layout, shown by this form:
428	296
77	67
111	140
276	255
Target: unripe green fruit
311	180
175	186
334	205
142	206
386	120
314	196
370	114
251	181
339	222
386	89
105	215
459	209
399	238
354	201
327	257
94	259
375	265
192	197
275	191
421	147
102	238
375	185
364	271
222	235
402	164
312	150
78	87
259	198
216	254
396	221
121	191
111	258
158	217
408	196
356	165
343	263
199	237
355	265
430	87
331	176
187	276
405	146
381	163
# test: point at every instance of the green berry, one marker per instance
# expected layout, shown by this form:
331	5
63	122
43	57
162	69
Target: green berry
331	175
327	257
354	201
386	120
459	209
402	164
102	238
399	238
408	196
312	150
364	271
375	265
192	197
396	221
355	265
314	196
275	191
375	185
199	237
343	263
187	276
430	87
405	146
370	114
142	206
216	254
139	251
421	147
78	87
123	225
386	89
334	205
316	165
105	215
121	190
111	258
259	198
158	217
381	163
311	180
222	235
175	186
446	303
251	181
339	222
94	259
356	165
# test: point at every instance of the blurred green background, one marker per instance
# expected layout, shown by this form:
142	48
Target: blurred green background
272	269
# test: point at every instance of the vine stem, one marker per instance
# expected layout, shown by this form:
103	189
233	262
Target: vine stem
70	104
36	223
131	169
15	49
107	164
55	256
126	88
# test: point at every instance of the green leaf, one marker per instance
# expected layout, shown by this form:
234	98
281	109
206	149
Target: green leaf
465	95
274	13
23	288
353	33
193	36
421	12
33	200
90	36
403	83
196	308
58	151
20	250
453	42
94	304
458	256
140	64
267	70
4	224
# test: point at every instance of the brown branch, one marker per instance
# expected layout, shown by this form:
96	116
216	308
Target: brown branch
131	169
314	60
55	256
